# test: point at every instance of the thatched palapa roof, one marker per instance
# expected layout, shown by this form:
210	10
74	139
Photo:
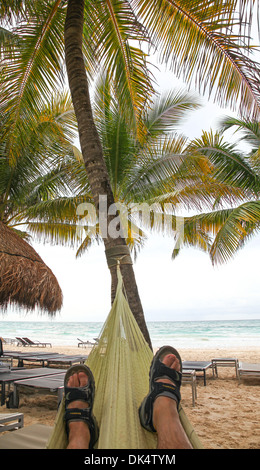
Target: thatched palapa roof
25	280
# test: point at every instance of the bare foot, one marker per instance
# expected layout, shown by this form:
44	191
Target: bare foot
79	435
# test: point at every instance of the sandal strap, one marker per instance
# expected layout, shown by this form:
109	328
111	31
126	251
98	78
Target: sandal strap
162	371
85	414
83	394
77	414
159	389
166	390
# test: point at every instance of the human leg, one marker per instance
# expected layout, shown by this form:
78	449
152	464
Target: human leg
166	420
78	432
81	425
159	410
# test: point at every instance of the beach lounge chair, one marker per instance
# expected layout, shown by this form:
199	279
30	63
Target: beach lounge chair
248	370
85	343
34	436
225	362
10	421
65	359
21	342
36	343
51	384
9	377
5	363
189	376
9	340
34	357
199	366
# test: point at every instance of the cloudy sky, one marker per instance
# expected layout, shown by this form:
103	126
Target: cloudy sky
188	288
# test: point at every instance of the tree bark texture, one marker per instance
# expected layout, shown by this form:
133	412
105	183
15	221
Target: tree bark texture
92	150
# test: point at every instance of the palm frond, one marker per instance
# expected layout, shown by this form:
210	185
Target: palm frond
240	225
220	233
230	165
116	35
153	166
8	40
58	233
34	69
168	111
90	235
204	43
59	209
18	9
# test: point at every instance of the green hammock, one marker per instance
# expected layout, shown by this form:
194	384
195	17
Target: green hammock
120	363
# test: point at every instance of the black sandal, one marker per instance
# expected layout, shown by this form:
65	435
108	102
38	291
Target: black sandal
85	394
158	370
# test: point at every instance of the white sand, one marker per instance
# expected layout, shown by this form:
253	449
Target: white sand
226	415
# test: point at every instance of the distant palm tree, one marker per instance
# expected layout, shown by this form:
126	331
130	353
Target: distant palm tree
43	152
152	172
151	180
223	232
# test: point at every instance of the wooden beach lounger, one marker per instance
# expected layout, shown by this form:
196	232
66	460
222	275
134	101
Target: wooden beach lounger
85	343
42	358
198	366
36	343
49	358
21	342
8	378
32	357
249	371
189	377
47	384
11	421
66	359
29	437
225	362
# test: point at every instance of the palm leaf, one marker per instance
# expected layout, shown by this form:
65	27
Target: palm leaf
220	233
61	233
240	225
34	70
248	133
230	165
168	111
115	36
199	40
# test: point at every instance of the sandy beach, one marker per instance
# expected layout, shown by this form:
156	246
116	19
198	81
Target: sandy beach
226	415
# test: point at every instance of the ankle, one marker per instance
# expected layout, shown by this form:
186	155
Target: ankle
164	412
79	435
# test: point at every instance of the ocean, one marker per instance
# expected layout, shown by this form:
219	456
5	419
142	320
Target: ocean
217	334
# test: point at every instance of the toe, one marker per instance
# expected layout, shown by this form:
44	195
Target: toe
79	379
170	360
83	379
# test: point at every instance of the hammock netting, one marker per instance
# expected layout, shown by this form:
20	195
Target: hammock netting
120	363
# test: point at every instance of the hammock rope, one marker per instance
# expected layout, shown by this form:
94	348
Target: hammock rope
120	363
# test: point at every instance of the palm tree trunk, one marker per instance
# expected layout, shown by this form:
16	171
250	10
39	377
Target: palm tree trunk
93	154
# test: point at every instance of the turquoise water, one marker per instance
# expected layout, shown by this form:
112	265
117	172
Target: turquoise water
186	334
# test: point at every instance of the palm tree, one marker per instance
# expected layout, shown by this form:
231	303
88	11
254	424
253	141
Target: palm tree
225	230
147	175
40	170
174	23
194	37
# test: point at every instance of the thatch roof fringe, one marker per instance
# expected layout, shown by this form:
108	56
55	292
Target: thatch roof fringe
25	279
